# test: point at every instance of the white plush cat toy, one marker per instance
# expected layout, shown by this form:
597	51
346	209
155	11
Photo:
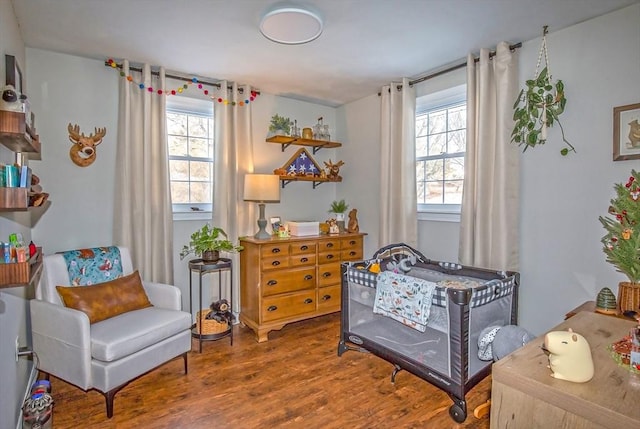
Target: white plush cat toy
569	356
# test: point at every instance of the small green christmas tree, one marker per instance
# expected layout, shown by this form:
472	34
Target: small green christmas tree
622	241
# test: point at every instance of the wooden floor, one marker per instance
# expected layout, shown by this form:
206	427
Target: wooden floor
295	380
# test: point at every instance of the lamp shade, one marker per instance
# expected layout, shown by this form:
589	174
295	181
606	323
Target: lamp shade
262	188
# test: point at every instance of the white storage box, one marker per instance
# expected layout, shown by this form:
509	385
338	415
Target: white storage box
303	227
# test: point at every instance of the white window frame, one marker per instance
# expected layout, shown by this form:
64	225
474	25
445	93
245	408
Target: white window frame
196	107
434	101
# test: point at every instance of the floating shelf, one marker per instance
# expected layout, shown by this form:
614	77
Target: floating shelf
16	135
317	181
21	273
286	141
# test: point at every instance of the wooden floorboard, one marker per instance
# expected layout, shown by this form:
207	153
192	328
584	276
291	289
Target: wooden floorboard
295	380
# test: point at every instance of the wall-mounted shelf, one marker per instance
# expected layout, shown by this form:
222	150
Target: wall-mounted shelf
21	273
286	141
317	181
16	135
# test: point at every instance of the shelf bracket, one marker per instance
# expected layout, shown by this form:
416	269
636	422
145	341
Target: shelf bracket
284	147
316	184
316	149
285	182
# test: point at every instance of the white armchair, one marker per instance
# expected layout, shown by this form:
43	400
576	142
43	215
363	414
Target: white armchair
106	355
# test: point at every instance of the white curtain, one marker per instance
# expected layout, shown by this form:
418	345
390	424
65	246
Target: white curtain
398	206
233	159
142	218
490	201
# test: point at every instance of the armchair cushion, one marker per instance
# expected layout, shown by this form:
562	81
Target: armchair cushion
106	300
120	336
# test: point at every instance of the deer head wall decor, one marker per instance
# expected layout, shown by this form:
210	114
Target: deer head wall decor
83	149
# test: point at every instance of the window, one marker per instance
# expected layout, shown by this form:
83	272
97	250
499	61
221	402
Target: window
190	134
441	127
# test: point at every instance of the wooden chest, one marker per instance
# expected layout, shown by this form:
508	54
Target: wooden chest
284	280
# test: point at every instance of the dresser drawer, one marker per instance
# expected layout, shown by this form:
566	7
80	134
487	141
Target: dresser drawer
274	262
277	249
281	307
302	260
329	245
351	243
275	282
328	257
351	254
329	297
329	274
303	247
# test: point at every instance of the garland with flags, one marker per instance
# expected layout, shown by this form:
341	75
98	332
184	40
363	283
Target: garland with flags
181	89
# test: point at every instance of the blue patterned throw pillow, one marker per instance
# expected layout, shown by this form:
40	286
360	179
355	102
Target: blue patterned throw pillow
93	266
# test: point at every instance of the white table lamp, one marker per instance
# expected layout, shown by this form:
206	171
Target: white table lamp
262	188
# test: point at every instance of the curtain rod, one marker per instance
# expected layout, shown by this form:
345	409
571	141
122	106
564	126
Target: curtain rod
454	67
182	78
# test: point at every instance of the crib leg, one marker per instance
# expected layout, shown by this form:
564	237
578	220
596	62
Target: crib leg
396	370
343	347
458	411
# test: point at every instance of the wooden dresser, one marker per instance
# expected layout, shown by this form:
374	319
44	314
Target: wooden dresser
284	280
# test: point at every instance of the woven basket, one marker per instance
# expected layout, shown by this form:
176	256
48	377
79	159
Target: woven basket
209	326
629	296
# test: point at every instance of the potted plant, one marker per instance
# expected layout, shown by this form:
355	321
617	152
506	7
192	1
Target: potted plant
208	242
621	243
339	208
280	125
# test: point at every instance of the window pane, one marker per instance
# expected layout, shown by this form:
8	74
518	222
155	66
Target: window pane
457	141
453	192
434	170
201	192
437	121
458	118
198	126
420	171
178	170
176	124
421	125
437	144
198	147
179	192
177	146
434	193
421	146
200	171
420	187
454	168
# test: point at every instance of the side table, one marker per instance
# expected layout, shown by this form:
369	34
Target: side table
202	268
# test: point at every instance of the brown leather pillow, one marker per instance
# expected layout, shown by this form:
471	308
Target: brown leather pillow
108	299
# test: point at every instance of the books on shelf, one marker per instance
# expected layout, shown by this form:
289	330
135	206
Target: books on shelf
14	176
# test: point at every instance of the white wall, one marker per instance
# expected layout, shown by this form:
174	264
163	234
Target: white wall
561	261
14	311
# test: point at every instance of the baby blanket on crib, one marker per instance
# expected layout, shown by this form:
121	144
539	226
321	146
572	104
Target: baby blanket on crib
404	298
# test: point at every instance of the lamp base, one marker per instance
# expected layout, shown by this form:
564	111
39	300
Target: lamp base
262	224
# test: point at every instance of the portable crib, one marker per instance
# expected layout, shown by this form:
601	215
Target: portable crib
465	301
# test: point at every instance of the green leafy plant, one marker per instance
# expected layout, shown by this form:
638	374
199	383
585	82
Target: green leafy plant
339	207
621	244
280	123
542	104
209	238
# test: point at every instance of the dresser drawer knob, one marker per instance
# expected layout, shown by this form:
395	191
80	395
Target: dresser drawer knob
327	274
304	247
326	297
304	259
330	256
275	263
272	282
352	242
308	301
352	253
308	277
275	250
272	308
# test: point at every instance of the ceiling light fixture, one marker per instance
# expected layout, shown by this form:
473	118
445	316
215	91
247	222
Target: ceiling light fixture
291	25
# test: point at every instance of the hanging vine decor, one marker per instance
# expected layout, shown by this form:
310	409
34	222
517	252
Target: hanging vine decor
181	89
542	103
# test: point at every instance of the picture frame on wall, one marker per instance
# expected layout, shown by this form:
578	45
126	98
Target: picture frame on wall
14	74
626	132
275	222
